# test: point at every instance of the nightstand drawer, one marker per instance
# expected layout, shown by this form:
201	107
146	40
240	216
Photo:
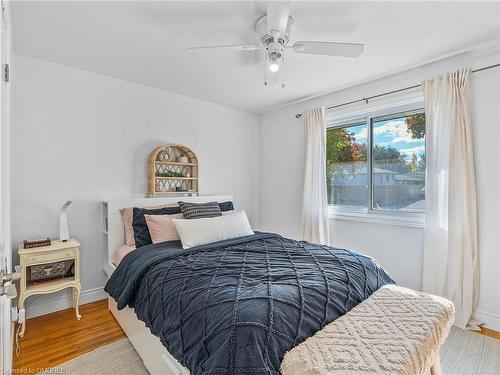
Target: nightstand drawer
50	257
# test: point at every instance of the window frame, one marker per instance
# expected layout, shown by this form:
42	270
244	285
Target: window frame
369	214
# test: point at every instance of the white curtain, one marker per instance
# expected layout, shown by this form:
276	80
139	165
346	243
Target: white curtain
450	267
315	210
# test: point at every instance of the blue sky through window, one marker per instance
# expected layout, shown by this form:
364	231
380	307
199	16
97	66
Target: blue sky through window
393	133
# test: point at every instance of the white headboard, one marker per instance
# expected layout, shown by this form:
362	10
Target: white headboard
112	221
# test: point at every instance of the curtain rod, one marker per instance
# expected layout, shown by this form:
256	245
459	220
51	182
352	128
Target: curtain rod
299	115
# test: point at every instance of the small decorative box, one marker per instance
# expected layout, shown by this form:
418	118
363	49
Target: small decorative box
36	243
47	271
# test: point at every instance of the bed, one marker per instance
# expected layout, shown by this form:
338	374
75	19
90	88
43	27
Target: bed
234	306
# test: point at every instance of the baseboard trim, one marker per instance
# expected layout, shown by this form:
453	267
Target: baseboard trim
64	302
490	320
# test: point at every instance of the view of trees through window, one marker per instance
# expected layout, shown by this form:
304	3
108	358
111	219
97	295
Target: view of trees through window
398	163
346	161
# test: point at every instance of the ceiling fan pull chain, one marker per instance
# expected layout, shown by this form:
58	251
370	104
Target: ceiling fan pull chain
265	67
283	74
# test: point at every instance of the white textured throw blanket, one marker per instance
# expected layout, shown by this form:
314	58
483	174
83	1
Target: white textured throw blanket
395	331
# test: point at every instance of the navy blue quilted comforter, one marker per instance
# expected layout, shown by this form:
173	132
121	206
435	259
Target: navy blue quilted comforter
237	306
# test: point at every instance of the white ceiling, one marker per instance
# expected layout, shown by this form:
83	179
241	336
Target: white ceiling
145	42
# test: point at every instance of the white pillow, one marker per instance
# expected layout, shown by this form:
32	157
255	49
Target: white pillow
196	232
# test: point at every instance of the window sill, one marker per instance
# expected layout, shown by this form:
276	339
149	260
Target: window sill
411	221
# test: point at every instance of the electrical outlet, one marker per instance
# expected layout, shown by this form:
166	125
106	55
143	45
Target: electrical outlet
21	316
13	314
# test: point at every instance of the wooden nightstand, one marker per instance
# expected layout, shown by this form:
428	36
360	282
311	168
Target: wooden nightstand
56	252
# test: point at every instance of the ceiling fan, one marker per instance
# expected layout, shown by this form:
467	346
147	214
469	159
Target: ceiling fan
274	30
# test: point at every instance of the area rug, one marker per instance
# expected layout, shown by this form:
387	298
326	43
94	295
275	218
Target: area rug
464	353
468	353
117	358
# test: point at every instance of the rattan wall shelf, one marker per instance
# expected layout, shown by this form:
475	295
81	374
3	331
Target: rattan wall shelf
172	170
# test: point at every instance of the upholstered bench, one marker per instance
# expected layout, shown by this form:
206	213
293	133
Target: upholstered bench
394	331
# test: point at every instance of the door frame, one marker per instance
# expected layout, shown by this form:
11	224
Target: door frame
6	326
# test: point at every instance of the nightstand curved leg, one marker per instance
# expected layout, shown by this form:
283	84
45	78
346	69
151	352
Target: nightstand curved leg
76	301
20	306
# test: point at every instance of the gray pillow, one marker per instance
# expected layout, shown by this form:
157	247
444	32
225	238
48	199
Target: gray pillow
199	210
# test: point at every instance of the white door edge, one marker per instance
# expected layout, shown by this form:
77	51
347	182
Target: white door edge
6	327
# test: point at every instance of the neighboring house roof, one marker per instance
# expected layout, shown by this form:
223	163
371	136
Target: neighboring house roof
416	176
418	205
361	169
383	171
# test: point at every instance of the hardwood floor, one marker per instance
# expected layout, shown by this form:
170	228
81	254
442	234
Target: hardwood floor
56	338
52	339
490	333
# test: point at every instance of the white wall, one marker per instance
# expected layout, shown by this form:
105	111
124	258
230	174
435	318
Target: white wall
85	137
106	128
398	248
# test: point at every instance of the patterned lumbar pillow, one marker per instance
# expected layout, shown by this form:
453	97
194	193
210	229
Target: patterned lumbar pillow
199	210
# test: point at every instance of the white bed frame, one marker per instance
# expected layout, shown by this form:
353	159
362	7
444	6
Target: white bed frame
155	356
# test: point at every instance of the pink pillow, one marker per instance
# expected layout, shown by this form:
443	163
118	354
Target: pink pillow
121	252
127	217
127	225
161	228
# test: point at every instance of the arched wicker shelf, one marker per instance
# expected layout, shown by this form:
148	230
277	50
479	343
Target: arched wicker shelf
172	170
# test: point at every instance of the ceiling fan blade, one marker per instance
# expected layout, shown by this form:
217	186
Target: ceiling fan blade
278	13
227	47
329	48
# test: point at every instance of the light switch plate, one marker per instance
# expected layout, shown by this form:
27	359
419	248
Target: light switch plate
13	314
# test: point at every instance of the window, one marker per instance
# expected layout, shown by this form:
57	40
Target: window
346	160
378	163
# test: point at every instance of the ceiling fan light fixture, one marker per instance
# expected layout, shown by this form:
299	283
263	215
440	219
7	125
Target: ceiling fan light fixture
274	30
274	66
274	52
